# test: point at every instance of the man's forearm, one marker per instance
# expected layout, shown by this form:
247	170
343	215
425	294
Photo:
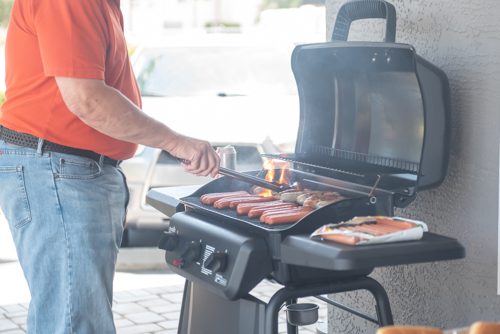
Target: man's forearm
110	112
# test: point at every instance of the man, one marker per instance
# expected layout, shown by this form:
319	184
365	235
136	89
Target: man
72	112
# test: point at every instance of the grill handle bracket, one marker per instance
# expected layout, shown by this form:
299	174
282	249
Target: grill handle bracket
365	9
375	185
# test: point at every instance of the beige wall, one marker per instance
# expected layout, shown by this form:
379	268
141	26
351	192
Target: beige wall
463	38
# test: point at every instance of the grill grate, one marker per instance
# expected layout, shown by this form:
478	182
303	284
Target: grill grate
410	167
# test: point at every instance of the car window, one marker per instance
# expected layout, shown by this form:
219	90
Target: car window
217	71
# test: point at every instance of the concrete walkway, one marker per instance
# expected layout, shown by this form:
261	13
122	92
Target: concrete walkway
149	310
144	302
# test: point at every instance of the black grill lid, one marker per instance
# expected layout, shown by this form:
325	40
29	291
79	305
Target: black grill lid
369	108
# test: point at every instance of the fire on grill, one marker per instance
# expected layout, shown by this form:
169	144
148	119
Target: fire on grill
374	130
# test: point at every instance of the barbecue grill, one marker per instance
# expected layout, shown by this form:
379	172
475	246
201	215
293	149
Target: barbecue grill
375	127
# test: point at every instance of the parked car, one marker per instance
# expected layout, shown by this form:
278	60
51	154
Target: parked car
226	89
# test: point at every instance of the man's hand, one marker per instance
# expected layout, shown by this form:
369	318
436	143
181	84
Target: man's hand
203	160
110	112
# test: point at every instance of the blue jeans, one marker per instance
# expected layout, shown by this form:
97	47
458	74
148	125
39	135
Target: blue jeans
65	213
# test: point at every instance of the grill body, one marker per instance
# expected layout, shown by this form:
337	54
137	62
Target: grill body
375	122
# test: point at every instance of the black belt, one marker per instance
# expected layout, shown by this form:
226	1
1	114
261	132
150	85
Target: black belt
27	140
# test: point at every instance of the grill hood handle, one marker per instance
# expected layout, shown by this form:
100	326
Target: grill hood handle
365	9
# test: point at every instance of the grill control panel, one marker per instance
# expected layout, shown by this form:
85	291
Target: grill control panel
222	259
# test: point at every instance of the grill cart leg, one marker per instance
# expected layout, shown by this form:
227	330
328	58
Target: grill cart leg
364	283
291	329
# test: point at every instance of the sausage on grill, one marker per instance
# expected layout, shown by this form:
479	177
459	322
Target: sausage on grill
212	198
270	212
285	218
258	211
244	208
234	204
224	202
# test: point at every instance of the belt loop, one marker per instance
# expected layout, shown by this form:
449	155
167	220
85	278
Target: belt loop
101	161
39	150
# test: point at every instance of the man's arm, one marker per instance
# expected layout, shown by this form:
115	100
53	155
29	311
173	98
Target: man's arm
110	112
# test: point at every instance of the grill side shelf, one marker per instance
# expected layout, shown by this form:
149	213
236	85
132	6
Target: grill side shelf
303	251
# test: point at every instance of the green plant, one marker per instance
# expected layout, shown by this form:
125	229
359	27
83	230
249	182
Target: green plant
5	9
131	48
225	24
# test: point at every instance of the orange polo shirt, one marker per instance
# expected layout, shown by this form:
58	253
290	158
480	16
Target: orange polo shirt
67	38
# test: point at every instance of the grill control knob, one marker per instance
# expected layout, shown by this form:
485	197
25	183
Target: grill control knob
216	262
190	251
168	241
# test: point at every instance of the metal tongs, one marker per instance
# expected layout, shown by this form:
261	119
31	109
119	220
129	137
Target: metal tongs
274	186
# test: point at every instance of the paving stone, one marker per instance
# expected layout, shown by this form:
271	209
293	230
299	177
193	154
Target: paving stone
123	323
19	320
128	308
174	288
144	317
156	291
172	315
122	295
166	308
170	324
172	331
14	308
282	328
131	298
139	293
6	324
154	303
173	297
16	314
139	329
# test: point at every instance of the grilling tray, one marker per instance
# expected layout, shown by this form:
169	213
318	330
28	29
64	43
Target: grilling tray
374	126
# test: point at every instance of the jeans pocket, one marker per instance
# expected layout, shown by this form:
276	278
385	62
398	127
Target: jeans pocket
13	197
78	168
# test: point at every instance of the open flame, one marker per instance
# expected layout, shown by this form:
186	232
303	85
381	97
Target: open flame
271	168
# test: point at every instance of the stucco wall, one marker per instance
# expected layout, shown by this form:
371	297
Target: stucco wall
463	38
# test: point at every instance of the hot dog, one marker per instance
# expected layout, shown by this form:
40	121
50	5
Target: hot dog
368	229
224	202
388	228
258	211
344	239
301	199
285	218
212	198
270	212
244	208
256	190
234	204
290	196
395	223
313	201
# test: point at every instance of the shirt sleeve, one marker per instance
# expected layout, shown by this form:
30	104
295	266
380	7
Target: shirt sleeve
73	37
